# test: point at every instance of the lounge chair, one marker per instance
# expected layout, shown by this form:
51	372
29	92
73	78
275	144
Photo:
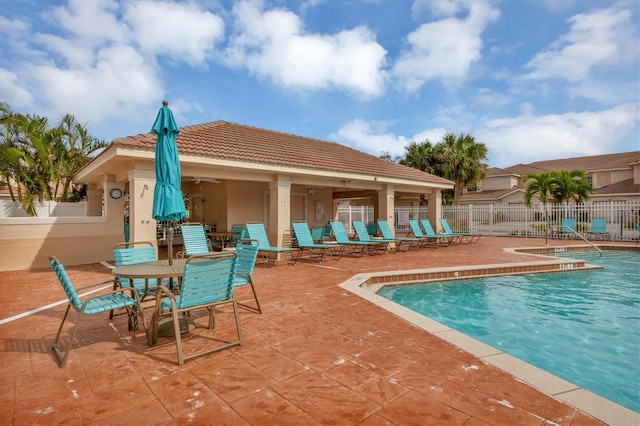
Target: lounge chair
207	283
317	233
382	245
637	226
408	242
195	240
247	253
440	239
269	253
598	229
107	300
315	250
356	248
416	231
567	229
465	237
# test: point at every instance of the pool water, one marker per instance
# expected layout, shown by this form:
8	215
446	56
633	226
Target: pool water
582	326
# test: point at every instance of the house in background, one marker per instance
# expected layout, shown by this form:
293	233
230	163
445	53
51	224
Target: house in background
615	177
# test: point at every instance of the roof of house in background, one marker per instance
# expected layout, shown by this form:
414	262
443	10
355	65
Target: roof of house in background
236	142
592	163
490	195
622	187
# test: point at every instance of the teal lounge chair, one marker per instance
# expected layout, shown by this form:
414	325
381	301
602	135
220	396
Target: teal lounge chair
195	240
269	253
106	301
416	231
356	248
598	229
382	245
408	242
567	229
441	239
306	244
206	284
465	237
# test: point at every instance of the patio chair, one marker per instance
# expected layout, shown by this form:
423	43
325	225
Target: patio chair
317	233
567	229
306	243
195	240
440	239
106	301
207	283
465	237
247	254
239	233
356	248
637	226
382	245
409	242
269	253
416	231
598	229
131	253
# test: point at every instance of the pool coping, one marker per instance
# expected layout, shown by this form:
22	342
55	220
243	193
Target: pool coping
366	285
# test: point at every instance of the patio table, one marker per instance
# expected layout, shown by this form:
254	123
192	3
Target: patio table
222	237
160	269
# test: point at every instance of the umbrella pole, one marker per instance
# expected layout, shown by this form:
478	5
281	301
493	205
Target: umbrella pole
170	244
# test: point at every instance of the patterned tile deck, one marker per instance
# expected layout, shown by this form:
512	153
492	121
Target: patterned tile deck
317	355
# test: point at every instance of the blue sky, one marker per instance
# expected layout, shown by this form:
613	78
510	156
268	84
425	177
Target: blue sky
531	79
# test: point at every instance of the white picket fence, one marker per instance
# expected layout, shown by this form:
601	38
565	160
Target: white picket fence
44	209
514	219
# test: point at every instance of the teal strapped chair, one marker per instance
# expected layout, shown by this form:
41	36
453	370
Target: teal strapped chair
598	229
362	232
131	253
356	248
465	237
207	283
247	253
269	253
306	243
239	232
440	239
416	231
195	240
105	301
408	242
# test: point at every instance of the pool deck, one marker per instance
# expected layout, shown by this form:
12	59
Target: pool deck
320	353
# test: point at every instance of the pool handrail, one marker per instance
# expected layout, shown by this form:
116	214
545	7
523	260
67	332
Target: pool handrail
583	238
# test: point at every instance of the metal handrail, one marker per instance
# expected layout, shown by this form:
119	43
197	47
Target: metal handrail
583	238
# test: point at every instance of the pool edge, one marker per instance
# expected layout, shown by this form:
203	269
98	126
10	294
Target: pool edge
364	285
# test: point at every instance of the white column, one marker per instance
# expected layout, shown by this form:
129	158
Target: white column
435	209
141	187
279	209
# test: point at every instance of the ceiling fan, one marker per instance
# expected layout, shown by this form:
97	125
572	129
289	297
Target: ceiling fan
198	179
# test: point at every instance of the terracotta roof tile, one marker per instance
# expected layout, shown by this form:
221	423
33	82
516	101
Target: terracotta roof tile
588	164
236	142
622	187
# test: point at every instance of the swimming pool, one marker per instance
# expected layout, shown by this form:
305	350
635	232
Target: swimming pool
583	326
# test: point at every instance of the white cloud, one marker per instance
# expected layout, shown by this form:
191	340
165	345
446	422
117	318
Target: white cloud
372	137
180	31
490	98
527	137
444	49
601	38
274	44
12	93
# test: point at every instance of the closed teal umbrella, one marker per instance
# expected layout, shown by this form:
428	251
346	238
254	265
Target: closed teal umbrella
167	197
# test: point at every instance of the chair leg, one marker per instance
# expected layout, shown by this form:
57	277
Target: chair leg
63	355
152	331
236	314
257	309
176	329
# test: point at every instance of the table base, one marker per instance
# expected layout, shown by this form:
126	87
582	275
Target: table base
165	326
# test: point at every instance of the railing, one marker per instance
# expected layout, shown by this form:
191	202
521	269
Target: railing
515	220
579	235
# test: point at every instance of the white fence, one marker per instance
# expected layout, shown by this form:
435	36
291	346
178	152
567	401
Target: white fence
514	219
44	209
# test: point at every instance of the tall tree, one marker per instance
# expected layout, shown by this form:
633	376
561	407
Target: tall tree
462	160
421	156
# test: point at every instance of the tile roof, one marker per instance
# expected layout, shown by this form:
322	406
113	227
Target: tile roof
622	187
492	194
588	164
236	142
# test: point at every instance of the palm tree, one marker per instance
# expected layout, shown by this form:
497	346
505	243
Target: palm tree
421	156
568	186
539	185
462	160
